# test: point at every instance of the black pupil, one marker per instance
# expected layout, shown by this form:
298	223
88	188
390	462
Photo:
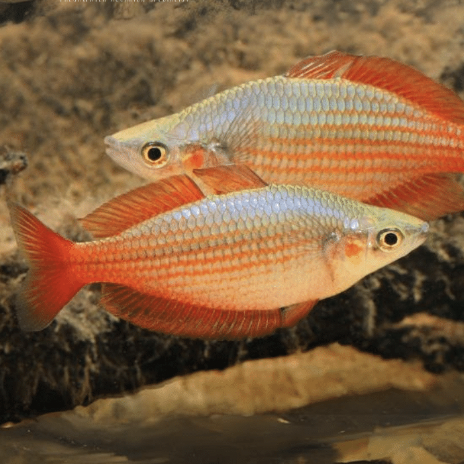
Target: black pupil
391	239
154	154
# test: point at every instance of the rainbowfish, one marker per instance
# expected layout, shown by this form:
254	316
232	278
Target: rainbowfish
368	128
222	266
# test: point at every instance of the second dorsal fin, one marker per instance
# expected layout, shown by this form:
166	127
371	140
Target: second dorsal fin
385	74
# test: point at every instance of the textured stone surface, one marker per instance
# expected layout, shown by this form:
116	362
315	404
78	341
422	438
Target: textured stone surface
392	411
11	163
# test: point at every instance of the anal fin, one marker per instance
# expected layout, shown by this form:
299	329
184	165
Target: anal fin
427	197
188	320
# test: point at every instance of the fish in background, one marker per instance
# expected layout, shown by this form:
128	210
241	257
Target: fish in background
368	128
221	266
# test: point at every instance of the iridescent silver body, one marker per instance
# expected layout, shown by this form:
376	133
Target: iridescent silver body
256	249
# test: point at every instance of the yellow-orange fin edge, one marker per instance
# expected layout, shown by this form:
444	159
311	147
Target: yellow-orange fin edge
292	314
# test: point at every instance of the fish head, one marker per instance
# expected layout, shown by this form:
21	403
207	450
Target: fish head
394	234
376	239
152	150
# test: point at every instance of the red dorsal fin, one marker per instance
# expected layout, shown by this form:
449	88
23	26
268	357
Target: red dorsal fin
229	178
385	74
427	197
141	204
188	320
328	66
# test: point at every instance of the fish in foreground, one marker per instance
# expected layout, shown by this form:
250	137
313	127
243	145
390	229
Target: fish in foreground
174	261
368	128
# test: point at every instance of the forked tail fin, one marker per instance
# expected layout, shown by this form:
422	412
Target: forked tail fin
49	284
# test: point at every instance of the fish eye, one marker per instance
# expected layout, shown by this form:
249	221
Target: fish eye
389	239
155	154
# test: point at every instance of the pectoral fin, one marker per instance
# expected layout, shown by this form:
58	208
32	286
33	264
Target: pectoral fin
230	178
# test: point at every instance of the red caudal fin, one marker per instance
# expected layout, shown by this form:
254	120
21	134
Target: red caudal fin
49	284
183	319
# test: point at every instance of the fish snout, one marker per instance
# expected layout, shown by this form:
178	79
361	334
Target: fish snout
421	232
424	230
110	141
113	149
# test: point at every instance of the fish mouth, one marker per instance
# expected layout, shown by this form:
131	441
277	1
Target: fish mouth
110	141
424	230
112	147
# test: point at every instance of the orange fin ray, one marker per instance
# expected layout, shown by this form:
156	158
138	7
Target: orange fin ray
229	178
385	74
140	204
184	319
427	197
49	284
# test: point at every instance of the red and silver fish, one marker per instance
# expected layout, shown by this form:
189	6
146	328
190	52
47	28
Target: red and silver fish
368	128
174	261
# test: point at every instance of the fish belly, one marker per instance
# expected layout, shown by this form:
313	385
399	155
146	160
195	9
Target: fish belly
230	277
259	287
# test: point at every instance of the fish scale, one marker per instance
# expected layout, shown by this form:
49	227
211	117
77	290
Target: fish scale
236	238
218	266
368	128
